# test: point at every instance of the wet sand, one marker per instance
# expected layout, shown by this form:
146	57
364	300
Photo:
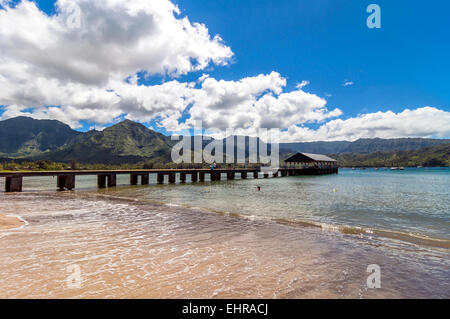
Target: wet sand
86	246
9	222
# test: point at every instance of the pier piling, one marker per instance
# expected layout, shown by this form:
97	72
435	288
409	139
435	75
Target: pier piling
13	184
101	181
160	178
112	180
66	179
145	179
134	179
66	182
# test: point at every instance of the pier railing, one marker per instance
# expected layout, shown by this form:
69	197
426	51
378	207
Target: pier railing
108	178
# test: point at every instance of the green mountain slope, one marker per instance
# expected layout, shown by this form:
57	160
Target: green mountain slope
368	145
433	156
125	142
315	147
387	145
24	136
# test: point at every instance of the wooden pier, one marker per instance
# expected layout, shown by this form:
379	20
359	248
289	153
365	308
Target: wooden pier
108	178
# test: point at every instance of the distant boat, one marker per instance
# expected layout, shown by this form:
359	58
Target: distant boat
395	168
420	166
402	168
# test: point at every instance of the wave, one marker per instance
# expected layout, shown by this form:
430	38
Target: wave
418	239
24	224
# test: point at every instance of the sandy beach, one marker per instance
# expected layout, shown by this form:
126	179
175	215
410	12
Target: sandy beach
8	222
85	245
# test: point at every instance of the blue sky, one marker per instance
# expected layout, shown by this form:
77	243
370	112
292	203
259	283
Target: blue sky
403	65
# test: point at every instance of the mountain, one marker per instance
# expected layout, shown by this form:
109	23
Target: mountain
125	142
386	145
362	145
24	136
433	156
315	147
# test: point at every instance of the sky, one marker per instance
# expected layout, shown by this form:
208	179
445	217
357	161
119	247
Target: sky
311	68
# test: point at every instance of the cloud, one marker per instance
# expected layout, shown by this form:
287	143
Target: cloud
348	83
203	77
49	62
247	104
4	3
87	67
302	84
255	102
421	122
115	39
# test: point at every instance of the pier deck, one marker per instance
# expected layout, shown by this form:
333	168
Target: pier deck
107	178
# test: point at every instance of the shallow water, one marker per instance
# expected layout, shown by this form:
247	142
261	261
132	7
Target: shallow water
236	243
414	202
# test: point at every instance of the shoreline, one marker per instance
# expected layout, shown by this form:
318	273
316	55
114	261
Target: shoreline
128	248
8	222
355	231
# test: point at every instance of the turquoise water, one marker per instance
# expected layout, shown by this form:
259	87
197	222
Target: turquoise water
227	239
414	202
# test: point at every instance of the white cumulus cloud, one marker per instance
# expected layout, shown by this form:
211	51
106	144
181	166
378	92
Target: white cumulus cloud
302	84
85	62
255	102
53	61
421	122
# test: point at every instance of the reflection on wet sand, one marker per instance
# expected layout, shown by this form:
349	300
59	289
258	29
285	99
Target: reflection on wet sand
132	249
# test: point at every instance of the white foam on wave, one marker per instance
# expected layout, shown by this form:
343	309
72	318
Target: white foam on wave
25	223
173	205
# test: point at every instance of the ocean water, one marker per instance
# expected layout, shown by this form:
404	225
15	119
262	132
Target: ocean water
298	237
414	202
